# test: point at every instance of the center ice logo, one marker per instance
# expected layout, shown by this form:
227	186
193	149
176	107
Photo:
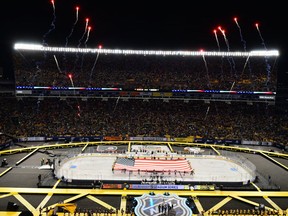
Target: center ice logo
159	204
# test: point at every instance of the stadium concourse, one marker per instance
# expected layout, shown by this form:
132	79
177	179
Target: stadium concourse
32	180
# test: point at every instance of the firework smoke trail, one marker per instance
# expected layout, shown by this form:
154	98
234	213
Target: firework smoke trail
240	32
36	74
230	59
227	44
87	36
79	110
116	103
219	49
225	38
52	24
71	79
58	67
70	34
207	111
79	44
85	44
85	31
247	62
245	49
44	43
206	67
268	67
94	65
217	41
72	83
73	26
262	40
56	61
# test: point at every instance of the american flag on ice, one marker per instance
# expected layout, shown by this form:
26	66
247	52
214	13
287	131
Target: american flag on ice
150	165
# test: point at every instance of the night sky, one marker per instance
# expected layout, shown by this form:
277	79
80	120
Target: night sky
165	25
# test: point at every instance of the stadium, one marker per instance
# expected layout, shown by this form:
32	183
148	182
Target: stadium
142	132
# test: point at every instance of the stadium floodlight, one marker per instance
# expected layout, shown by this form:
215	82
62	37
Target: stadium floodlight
37	47
23	46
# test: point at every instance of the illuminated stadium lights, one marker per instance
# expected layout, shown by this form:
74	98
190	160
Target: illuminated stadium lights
37	47
28	46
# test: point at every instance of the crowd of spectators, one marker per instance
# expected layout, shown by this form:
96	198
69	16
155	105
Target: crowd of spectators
34	68
30	117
